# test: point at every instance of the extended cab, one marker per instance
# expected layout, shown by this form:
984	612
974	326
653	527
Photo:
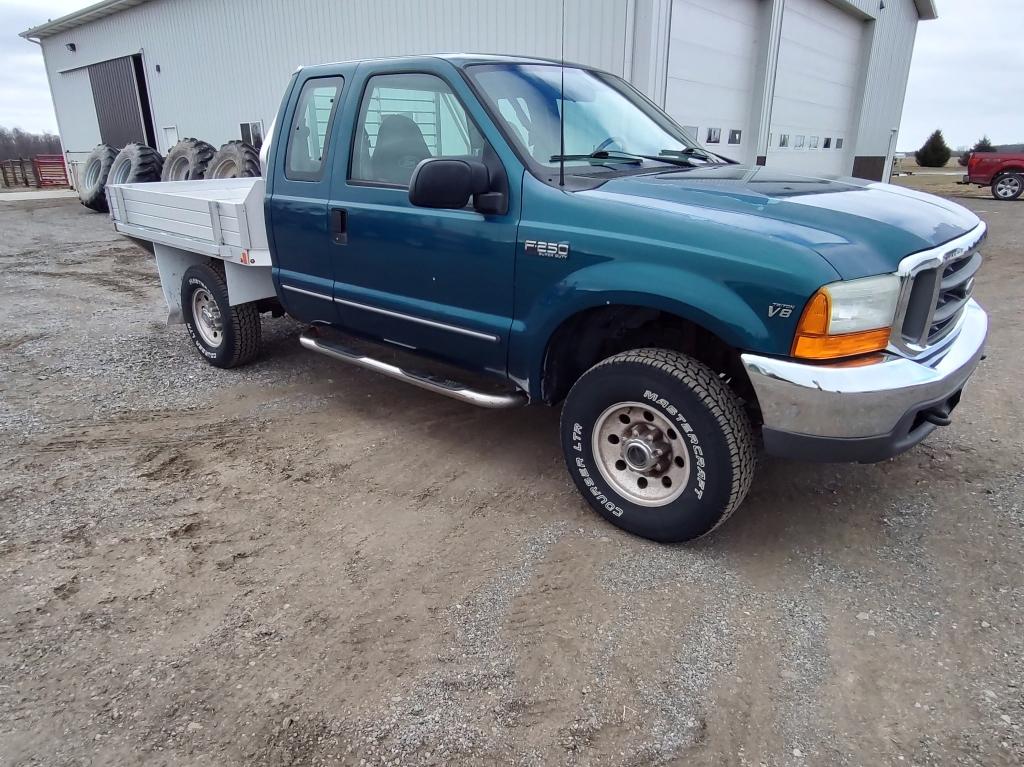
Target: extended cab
1002	171
437	220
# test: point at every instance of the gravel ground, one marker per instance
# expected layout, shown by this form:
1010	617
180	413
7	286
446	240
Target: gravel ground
300	563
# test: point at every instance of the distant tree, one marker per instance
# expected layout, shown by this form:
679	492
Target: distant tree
935	153
983	145
15	143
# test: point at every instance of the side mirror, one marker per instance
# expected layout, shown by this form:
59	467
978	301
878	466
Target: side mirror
439	182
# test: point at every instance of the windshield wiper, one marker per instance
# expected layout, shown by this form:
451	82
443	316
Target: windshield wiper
617	155
699	154
678	157
602	155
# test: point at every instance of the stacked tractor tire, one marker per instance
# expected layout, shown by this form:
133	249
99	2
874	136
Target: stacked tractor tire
189	160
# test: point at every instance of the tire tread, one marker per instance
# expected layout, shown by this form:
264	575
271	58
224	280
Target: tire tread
246	327
723	405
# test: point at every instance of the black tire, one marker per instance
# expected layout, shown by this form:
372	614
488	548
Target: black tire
187	160
711	434
239	338
236	159
1008	186
92	180
136	164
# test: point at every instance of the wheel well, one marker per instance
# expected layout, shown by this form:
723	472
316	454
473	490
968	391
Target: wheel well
592	335
1004	171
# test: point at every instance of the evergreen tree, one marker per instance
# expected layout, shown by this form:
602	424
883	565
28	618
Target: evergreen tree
935	153
983	145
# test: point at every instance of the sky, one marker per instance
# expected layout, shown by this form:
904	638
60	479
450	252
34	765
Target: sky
967	75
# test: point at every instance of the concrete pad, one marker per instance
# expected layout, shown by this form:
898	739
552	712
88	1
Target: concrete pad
37	194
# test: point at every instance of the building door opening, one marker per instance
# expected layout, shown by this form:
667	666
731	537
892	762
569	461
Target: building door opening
122	101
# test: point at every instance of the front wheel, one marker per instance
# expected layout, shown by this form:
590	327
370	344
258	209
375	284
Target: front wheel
658	444
226	336
1008	186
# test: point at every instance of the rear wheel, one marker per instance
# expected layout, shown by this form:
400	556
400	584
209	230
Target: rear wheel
1008	186
226	336
658	444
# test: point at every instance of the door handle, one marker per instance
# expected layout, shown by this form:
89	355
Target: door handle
339	226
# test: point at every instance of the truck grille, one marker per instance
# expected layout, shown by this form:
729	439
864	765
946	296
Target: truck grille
937	297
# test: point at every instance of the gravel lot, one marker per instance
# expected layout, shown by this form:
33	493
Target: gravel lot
301	563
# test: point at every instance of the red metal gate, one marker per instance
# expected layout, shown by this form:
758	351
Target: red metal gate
41	170
50	170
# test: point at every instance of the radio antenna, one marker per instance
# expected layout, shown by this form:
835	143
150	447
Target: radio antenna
561	97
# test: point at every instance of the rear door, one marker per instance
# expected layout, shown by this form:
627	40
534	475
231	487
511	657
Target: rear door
297	203
438	281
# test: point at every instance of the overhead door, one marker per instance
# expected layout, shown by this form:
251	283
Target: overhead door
711	70
122	105
816	88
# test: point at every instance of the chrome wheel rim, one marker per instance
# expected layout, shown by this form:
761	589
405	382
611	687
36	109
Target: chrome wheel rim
208	321
641	454
1008	187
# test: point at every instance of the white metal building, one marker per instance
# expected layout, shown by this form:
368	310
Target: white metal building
815	86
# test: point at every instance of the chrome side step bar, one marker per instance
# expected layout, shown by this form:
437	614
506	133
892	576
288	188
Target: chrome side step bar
311	340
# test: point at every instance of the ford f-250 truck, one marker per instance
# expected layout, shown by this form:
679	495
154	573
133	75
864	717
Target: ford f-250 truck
681	308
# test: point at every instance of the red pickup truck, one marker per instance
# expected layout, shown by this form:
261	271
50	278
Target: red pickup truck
1003	171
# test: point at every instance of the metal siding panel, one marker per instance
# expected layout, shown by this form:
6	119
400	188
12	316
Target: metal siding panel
886	82
76	112
210	81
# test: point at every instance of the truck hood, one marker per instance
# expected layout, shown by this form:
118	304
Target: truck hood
860	227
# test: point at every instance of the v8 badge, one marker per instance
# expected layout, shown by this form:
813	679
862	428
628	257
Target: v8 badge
780	310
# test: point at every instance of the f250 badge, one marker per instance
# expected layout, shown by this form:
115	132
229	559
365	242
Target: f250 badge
548	249
780	310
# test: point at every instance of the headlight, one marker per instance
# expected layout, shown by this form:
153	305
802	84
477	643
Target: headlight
848	318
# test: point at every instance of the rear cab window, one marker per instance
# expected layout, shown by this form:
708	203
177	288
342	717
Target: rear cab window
310	129
405	118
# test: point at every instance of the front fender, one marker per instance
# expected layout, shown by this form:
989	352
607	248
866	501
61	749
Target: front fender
700	299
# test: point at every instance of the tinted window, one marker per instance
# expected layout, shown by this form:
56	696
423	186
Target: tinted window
311	128
407	118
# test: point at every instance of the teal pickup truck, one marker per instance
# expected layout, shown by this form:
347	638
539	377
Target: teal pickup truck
508	231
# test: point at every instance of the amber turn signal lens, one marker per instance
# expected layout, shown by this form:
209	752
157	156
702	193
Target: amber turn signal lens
816	315
813	342
846	345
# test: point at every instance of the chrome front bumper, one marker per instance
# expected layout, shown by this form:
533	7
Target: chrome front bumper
867	412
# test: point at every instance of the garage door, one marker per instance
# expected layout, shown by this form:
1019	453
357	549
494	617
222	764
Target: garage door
711	70
819	75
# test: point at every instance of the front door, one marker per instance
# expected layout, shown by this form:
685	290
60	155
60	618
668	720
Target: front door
439	281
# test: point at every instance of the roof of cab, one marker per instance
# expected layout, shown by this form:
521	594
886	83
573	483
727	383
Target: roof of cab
456	59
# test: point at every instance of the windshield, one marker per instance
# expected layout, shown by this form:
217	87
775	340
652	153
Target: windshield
603	116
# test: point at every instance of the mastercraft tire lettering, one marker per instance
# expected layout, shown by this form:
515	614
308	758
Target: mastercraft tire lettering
226	336
657	444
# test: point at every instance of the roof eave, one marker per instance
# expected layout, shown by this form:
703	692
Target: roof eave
71	21
926	10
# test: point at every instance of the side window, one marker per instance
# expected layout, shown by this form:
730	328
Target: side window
406	118
310	132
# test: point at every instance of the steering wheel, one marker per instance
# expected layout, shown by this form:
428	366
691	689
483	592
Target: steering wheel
608	142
